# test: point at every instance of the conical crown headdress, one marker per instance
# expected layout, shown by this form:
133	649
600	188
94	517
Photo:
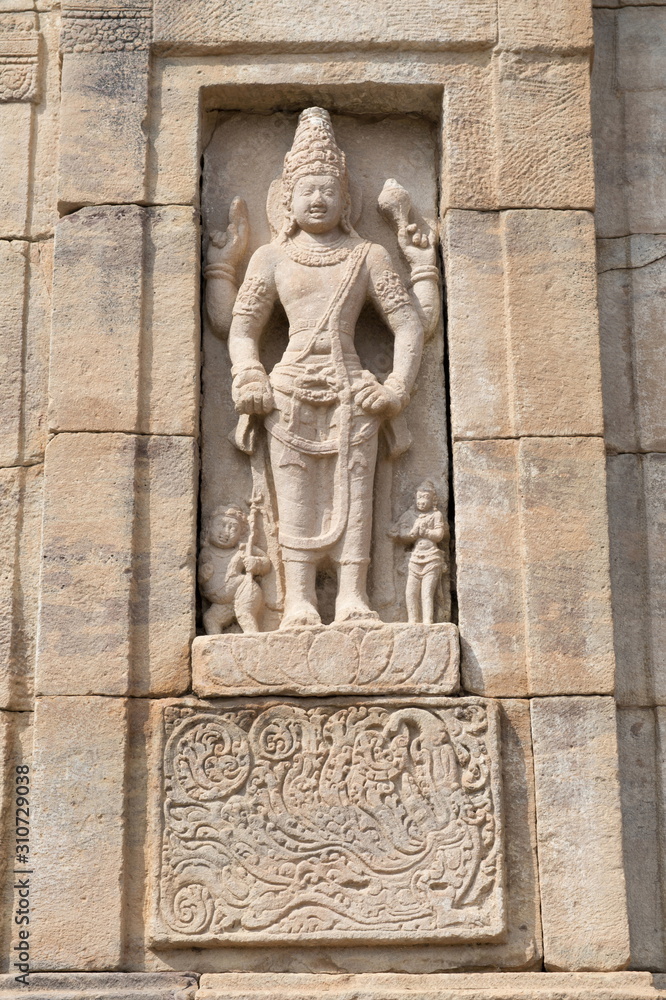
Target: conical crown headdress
315	151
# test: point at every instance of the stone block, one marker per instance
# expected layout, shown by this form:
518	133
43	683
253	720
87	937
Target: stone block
632	311
641	48
639	780
564	27
19	46
25	303
556	170
102	986
637	513
629	114
629	580
615	288
469	177
645	141
15	751
567	578
102	140
128	276
326	858
79	819
579	831
489	560
484	985
654	477
15	126
289	25
13	288
523	328
608	129
329	659
553	337
648	282
532	567
117	604
519	948
476	325
20	538
42	205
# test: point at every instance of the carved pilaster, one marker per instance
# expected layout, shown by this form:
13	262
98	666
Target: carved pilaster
19	54
95	28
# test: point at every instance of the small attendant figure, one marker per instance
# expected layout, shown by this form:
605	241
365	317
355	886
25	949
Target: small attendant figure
229	563
423	526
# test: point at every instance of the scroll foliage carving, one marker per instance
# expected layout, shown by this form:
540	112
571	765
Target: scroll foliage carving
300	821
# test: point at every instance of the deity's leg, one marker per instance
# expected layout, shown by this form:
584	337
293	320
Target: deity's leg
352	601
352	554
304	491
300	601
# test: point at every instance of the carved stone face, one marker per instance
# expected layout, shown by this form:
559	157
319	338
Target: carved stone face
424	501
317	203
225	531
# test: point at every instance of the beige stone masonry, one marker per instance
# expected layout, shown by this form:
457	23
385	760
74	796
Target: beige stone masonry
102	986
15	751
117	607
78	833
102	141
355	658
533	578
522	326
637	514
564	27
25	321
19	41
289	24
579	834
556	171
29	99
129	277
629	113
520	949
20	538
632	313
640	778
485	986
490	104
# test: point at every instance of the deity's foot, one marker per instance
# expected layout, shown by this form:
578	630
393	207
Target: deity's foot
303	614
355	612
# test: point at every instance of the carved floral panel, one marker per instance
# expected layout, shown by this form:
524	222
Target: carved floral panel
338	821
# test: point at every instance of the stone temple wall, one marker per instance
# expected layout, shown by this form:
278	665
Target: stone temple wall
546	132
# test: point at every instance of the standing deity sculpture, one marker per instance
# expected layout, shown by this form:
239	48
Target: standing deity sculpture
321	409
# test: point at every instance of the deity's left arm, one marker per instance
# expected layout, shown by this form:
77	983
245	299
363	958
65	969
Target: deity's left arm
394	304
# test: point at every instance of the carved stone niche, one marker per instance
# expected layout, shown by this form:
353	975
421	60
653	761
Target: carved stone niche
324	455
313	822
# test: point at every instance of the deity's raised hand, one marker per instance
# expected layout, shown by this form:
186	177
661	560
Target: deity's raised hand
415	242
228	246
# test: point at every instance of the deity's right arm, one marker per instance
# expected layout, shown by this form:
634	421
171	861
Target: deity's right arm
223	256
253	307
